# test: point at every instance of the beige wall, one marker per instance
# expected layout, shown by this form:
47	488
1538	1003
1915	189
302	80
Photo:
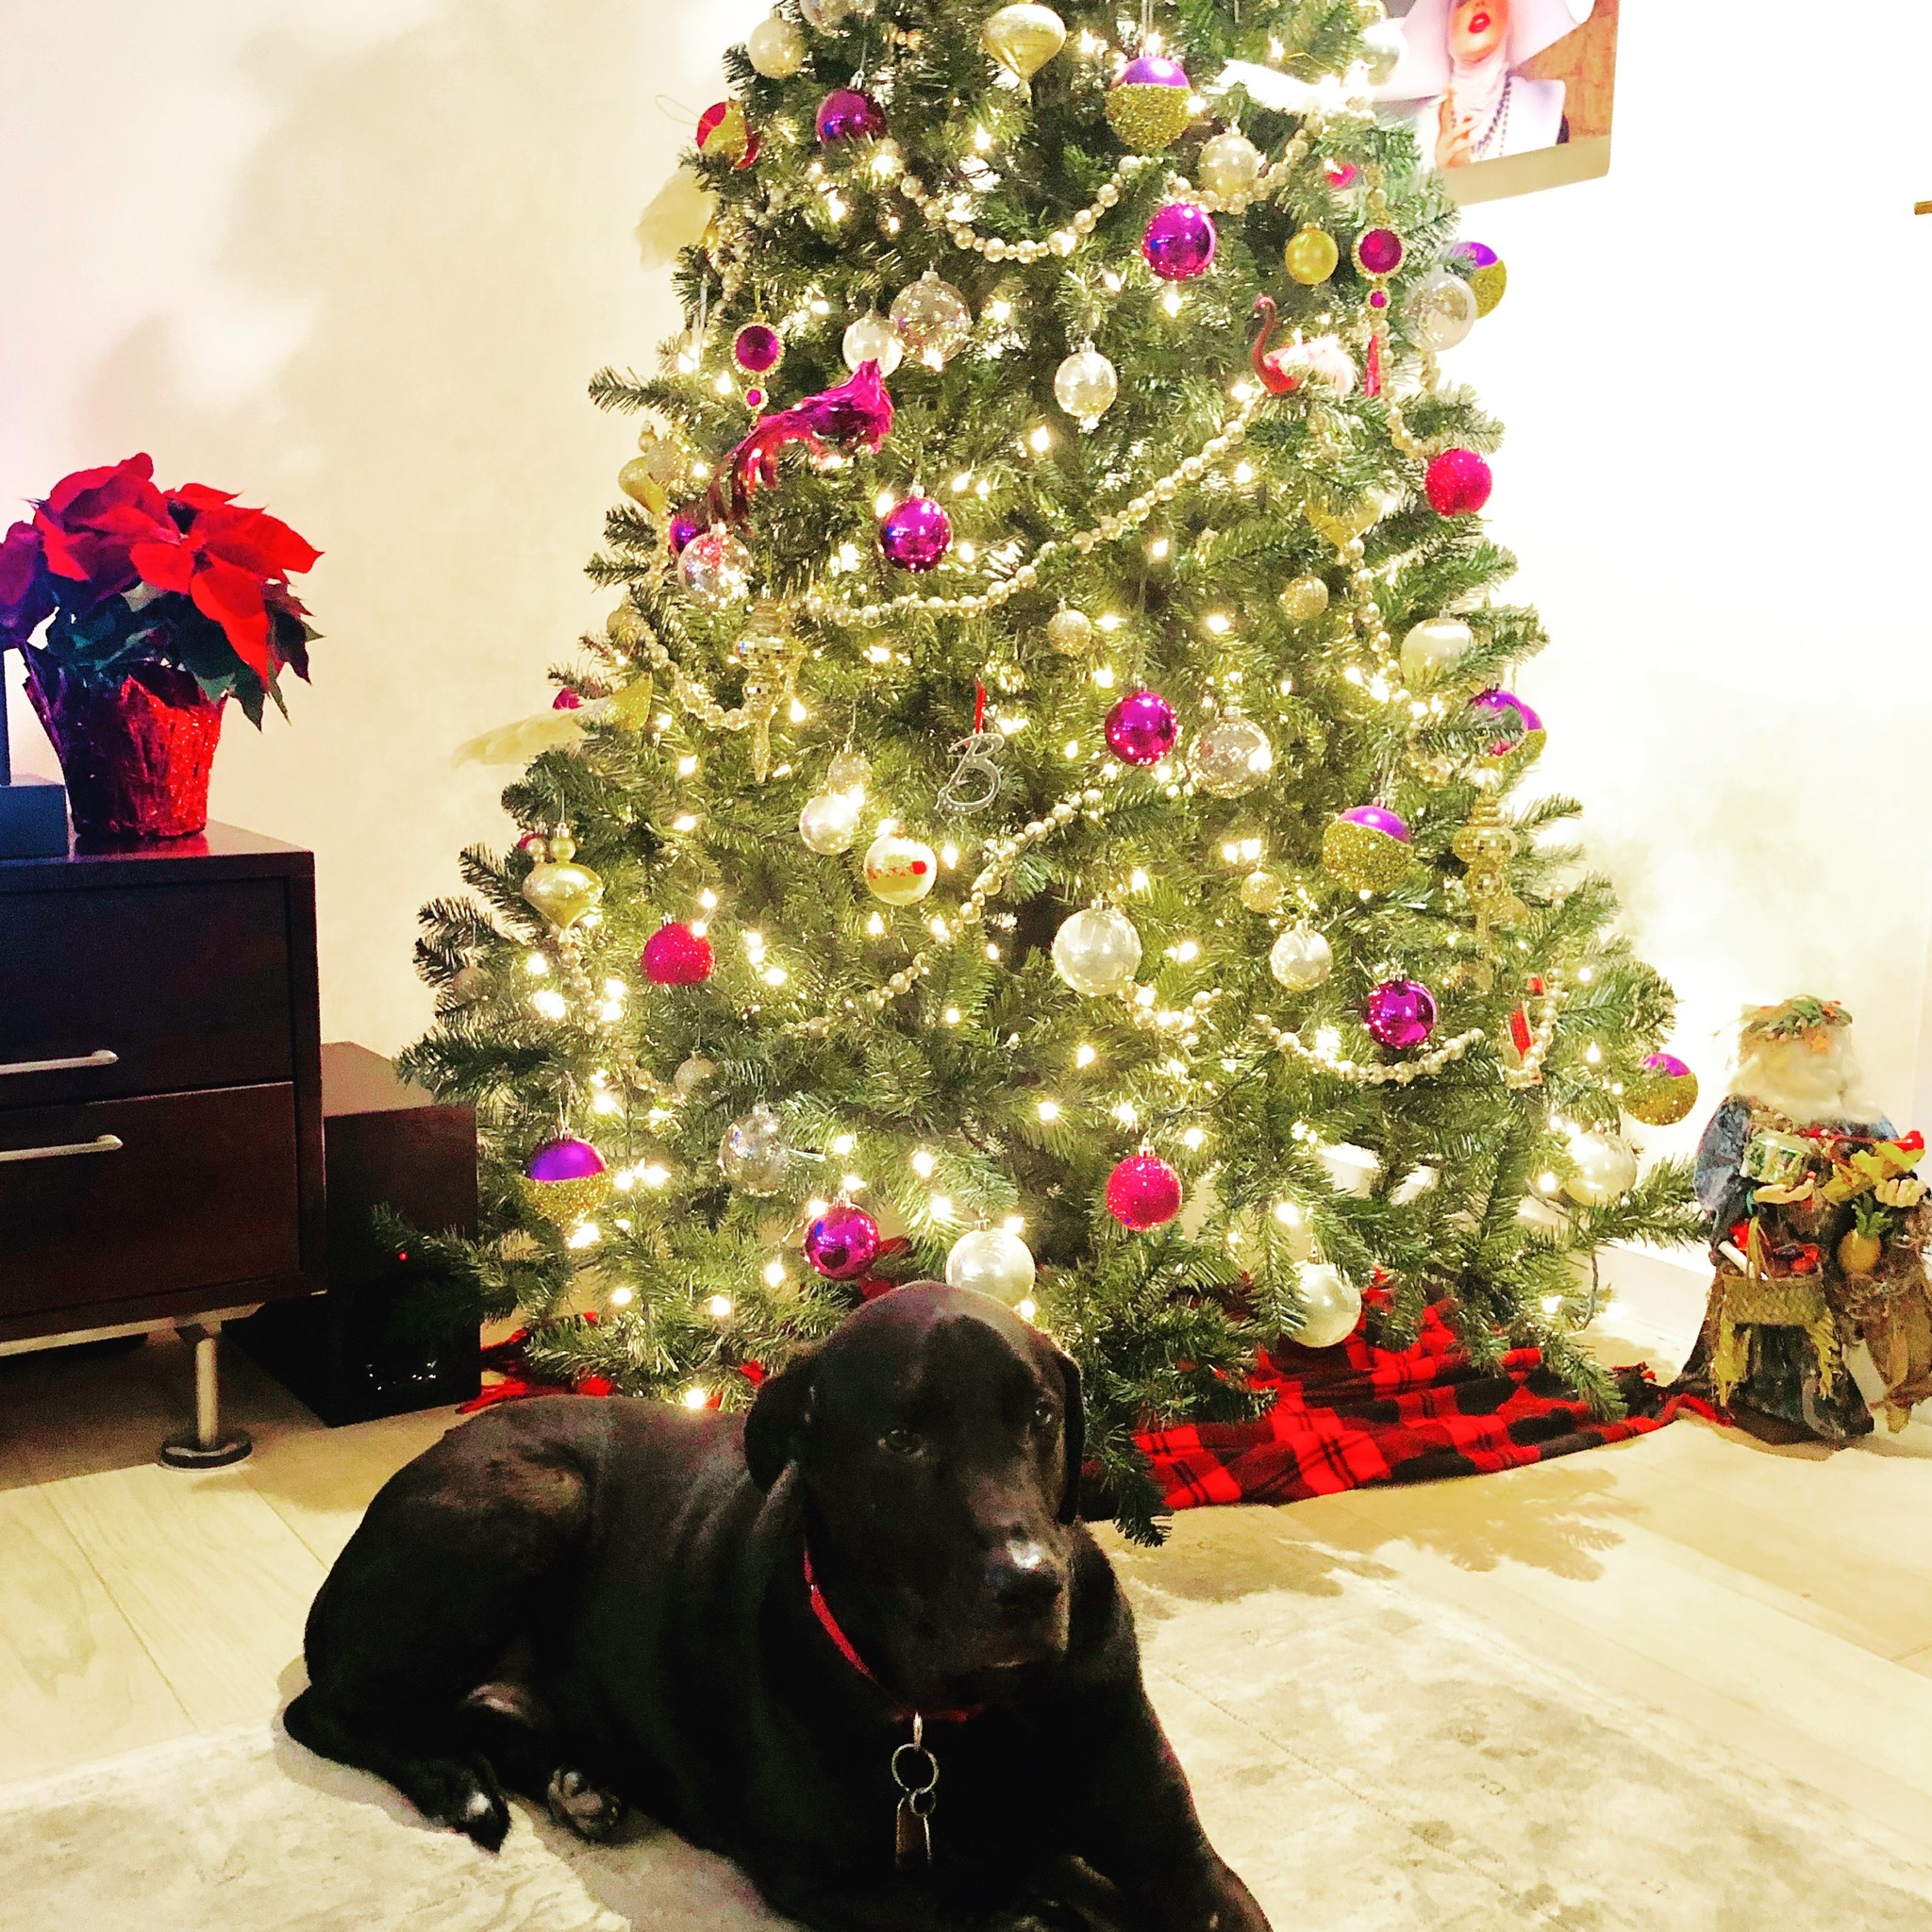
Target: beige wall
357	258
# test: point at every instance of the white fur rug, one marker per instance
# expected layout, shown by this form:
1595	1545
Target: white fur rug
1371	1762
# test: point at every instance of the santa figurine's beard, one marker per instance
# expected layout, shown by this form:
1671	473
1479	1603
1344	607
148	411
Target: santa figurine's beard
1788	1077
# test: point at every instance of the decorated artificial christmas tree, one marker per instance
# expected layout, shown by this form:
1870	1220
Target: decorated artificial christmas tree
1044	811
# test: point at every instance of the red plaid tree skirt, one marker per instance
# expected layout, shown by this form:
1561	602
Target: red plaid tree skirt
1347	1417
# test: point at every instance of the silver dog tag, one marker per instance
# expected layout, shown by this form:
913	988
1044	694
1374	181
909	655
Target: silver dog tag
916	1771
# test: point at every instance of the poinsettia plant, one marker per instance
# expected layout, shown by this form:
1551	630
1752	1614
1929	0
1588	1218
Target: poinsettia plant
130	574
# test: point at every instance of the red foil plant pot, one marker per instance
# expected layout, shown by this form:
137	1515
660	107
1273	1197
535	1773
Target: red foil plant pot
137	757
159	607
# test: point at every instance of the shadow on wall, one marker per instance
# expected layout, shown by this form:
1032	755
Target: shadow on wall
439	228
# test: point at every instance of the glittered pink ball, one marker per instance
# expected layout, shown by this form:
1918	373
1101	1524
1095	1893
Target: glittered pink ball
1180	241
917	534
1458	483
1143	1193
1400	1013
843	1242
675	955
1516	723
1142	728
757	349
1377	818
845	114
565	1160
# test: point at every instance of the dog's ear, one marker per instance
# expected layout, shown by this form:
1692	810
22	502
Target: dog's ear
774	1430
1077	1437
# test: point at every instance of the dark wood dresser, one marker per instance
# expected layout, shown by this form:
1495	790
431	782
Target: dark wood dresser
160	1087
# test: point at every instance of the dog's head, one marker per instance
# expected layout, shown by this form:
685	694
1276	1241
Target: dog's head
938	1440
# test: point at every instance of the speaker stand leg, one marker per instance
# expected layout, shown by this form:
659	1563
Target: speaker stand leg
206	1446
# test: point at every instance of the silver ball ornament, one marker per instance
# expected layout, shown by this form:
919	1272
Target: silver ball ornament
991	1261
829	822
1434	647
1301	958
933	319
1261	892
1605	1168
716	569
753	1153
1230	165
1231	758
1305	599
1442	308
1097	951
873	338
1086	385
1332	1305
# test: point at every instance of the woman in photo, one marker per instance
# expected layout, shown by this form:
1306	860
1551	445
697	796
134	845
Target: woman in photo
1459	78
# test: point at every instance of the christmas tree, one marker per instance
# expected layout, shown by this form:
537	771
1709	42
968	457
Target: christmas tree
1044	810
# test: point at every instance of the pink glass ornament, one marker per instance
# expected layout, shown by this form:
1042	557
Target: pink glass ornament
565	1160
1379	818
1399	1014
1340	176
1142	728
917	534
845	114
567	700
1180	241
1143	1193
757	348
843	1242
1515	721
675	955
1380	252
1458	483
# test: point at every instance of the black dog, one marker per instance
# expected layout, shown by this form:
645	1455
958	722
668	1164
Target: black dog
776	1638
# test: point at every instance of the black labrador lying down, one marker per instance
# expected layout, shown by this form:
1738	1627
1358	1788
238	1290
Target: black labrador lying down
857	1642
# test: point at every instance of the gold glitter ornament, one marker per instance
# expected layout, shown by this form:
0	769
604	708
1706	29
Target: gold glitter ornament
1261	892
1488	283
1071	633
1486	843
1304	599
563	892
1364	857
1022	38
1663	1093
565	1202
1311	255
1150	114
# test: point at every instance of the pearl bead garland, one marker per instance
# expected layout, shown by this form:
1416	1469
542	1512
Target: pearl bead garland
1354	1072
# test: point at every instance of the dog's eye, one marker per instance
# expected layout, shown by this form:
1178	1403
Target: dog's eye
901	1443
1045	1416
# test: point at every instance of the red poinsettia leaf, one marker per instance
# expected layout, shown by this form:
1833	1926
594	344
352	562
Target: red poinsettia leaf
254	540
233	598
166	566
199	497
117	479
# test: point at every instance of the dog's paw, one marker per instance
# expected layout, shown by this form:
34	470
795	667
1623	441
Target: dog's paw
591	1812
466	1797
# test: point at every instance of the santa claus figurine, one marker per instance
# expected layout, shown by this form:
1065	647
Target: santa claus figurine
1819	1310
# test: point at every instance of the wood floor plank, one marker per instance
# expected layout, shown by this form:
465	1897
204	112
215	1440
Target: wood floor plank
76	1682
211	1580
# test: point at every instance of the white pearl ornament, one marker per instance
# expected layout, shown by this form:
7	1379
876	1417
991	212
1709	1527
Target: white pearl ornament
829	822
1097	951
1230	165
1435	645
873	338
1444	309
776	48
1333	1305
1086	386
991	1261
1606	1169
1301	958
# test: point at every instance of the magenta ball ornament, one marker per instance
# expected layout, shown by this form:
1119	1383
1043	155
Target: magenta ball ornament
1144	1192
1399	1014
1516	723
843	1242
682	530
757	348
1180	241
1142	728
1458	483
845	114
917	534
675	955
564	1160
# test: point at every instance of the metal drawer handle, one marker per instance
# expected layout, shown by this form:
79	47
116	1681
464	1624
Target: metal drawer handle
101	1058
102	1143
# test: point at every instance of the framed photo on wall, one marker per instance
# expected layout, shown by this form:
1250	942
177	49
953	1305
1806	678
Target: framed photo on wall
1507	96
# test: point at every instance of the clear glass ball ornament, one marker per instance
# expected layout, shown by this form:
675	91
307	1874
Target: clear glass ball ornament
933	319
873	338
829	822
849	771
1097	950
1443	310
753	1153
716	569
1086	385
1231	758
1230	165
990	1260
1304	599
1301	958
1261	892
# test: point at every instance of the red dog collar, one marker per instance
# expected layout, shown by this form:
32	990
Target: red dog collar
849	1651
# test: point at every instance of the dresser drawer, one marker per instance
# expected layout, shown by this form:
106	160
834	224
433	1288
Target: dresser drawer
150	988
201	1191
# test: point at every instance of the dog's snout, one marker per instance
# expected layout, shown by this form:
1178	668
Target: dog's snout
1022	1577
